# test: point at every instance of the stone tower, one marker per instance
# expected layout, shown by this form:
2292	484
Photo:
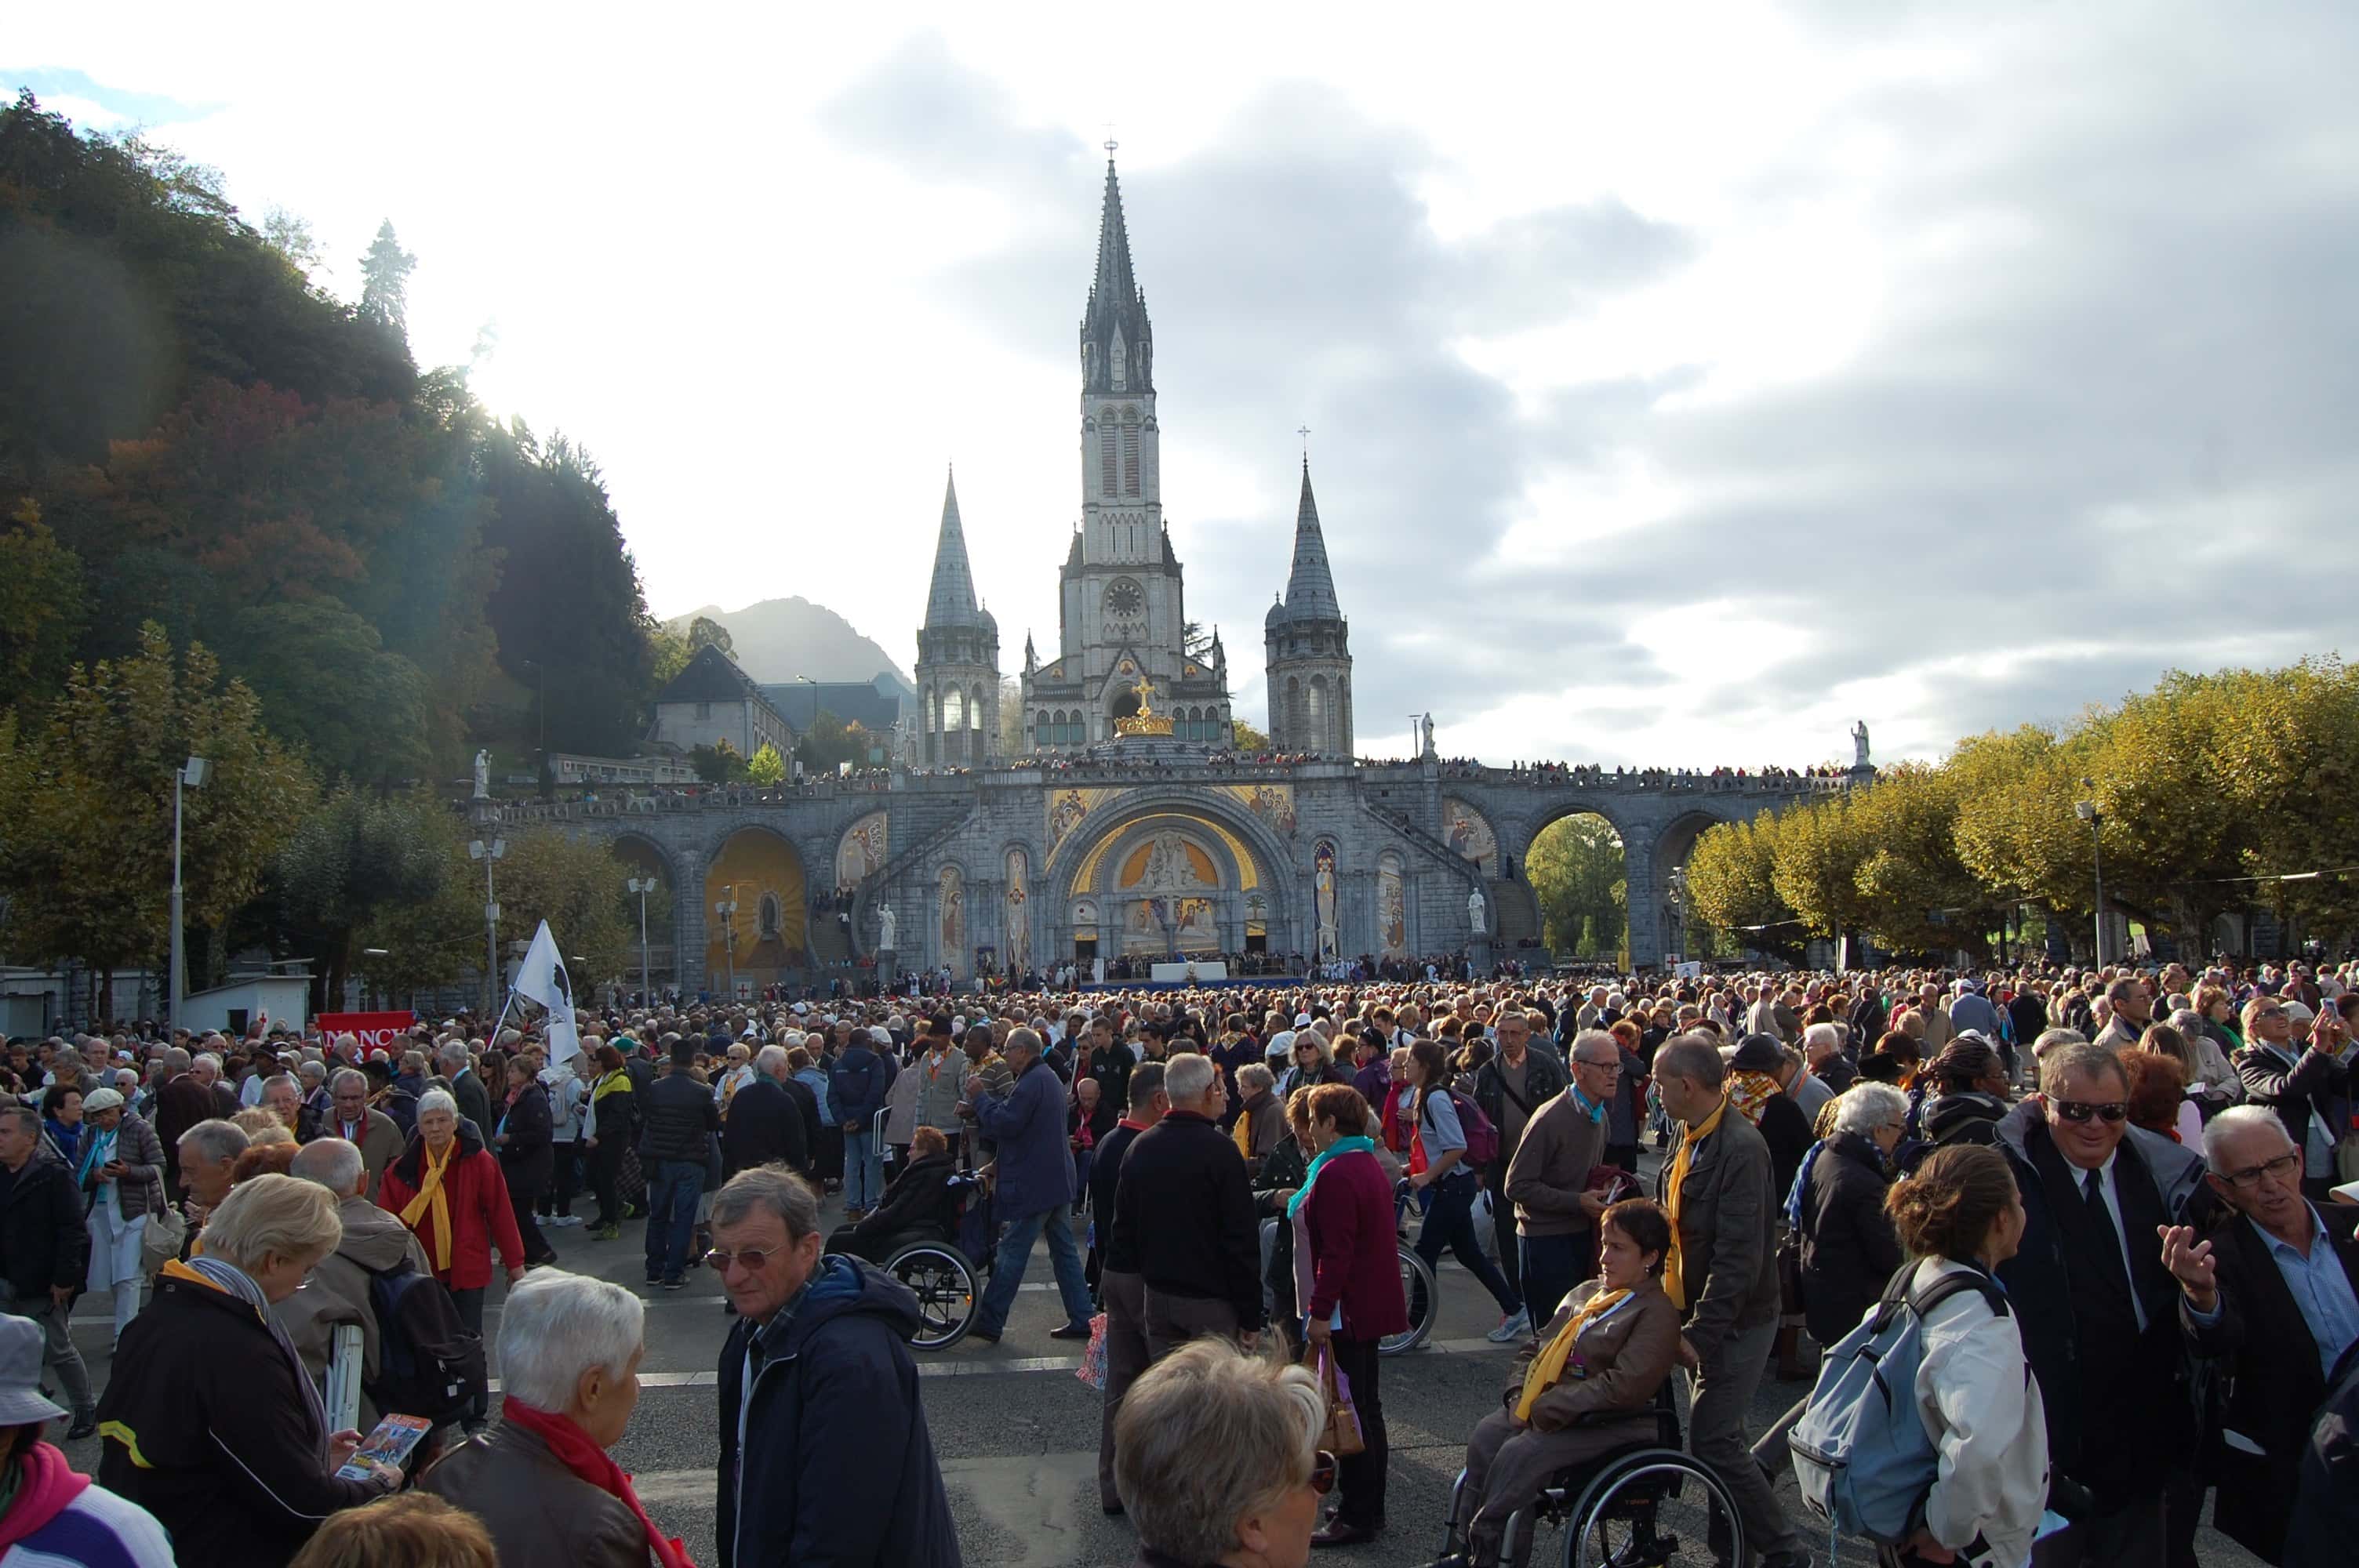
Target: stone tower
1308	647
958	658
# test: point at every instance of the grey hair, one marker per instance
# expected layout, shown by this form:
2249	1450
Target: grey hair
24	1116
2082	1060
1017	1040
767	1189
1692	1055
1253	1078
1819	1035
555	1326
274	1079
770	1061
1866	1105
344	1076
437	1099
274	1215
2051	1039
207	1059
215	1140
2238	1118
452	1054
1188	1077
1207	1435
332	1163
177	1059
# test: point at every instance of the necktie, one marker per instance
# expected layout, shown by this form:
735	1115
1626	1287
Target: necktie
2108	1240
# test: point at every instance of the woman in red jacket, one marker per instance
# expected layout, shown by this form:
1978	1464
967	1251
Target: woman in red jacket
1347	1276
448	1189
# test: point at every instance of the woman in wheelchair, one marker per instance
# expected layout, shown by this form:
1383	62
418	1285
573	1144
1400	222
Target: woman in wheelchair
919	1204
1585	1389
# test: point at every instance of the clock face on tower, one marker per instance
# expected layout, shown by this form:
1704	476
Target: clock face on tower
1124	600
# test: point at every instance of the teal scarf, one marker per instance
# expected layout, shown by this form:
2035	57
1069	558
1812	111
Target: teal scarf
1340	1146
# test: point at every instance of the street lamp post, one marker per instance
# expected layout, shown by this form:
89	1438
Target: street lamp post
192	775
2087	811
643	886
727	909
489	855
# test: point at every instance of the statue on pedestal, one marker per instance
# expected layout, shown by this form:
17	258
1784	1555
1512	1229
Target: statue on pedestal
1425	728
888	926
1476	910
484	775
1859	744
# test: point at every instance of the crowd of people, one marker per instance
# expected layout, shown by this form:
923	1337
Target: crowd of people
2113	1190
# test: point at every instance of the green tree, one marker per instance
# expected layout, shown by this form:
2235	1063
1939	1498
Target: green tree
439	941
350	858
42	606
1732	885
1575	869
668	652
829	742
384	282
86	860
290	235
706	633
766	767
718	763
328	685
1247	738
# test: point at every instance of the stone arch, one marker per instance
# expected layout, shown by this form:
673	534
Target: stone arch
754	862
1101	839
1668	851
1597	920
644	857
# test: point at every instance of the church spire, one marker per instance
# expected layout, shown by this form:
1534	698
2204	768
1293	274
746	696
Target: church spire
1118	347
1311	590
951	601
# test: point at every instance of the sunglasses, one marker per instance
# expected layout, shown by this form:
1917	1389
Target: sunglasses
1323	1473
752	1258
2081	1110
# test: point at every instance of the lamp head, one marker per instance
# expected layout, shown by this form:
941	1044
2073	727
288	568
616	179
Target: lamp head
2086	810
196	772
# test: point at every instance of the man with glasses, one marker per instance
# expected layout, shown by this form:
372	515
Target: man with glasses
2098	1309
2305	1087
2274	1294
1511	1088
1556	1218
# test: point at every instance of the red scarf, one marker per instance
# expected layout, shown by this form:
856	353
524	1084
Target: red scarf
574	1450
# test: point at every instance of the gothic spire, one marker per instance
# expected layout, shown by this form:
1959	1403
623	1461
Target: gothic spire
1118	347
1311	591
1115	282
951	601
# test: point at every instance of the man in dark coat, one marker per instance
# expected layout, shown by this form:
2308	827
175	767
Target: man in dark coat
819	1349
764	1126
44	1249
467	1089
180	1104
1849	1251
2275	1295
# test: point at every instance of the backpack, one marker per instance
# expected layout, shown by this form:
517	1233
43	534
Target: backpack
430	1364
1482	1138
1862	1454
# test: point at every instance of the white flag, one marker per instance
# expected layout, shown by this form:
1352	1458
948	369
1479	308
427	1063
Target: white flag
542	978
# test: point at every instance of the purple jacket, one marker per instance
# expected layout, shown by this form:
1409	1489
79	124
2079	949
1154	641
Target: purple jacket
1036	1166
1351	1259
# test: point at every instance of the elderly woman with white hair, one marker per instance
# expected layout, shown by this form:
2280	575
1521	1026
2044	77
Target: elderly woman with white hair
1849	1249
210	1421
1217	1460
448	1188
120	1172
542	1481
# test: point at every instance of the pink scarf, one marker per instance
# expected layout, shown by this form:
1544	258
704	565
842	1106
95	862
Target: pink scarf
46	1488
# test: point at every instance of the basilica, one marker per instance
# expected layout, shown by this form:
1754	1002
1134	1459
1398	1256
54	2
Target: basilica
1124	824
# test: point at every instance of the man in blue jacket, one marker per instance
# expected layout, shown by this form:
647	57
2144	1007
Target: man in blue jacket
1035	1187
824	1453
855	1086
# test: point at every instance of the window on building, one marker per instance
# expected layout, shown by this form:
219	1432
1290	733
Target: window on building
954	709
704	710
1107	438
1130	452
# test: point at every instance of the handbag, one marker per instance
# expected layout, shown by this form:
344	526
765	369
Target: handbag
167	1232
1093	1367
1341	1436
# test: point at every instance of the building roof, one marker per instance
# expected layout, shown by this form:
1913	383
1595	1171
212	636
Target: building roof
1311	590
710	675
950	601
875	706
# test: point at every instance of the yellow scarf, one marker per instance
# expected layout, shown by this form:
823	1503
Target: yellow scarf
431	1199
1675	1284
1242	1135
1547	1367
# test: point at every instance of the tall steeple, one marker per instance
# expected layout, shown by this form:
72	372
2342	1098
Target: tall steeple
951	601
1311	590
1117	341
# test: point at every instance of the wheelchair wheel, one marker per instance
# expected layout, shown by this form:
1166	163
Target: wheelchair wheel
1424	1298
937	1274
1619	1520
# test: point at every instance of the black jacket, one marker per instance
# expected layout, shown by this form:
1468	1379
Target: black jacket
837	1364
1111	1068
806	1103
527	1159
1105	1177
43	1239
475	1102
920	1199
680	1119
1184	1207
1787	1132
2326	1496
2308	1087
1544	1078
2273	1380
1849	1251
229	1453
764	1126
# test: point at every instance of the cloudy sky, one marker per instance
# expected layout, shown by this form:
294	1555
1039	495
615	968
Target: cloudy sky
1685	381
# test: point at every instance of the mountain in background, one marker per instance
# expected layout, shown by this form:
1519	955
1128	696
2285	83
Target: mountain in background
779	639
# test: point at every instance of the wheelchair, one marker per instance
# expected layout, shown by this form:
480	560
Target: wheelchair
1610	1509
946	1270
1423	1295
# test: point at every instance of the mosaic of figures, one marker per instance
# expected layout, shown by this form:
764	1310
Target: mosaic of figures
862	853
1468	831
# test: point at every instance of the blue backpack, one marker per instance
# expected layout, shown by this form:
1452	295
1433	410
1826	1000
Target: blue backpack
1862	1454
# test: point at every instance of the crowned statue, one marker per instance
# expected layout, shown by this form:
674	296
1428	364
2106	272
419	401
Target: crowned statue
888	926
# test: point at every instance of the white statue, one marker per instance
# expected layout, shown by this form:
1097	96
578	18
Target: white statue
1097	971
888	926
1859	743
1475	910
484	775
1425	727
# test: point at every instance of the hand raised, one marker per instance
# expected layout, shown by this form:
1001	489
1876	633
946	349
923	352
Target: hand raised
2190	1263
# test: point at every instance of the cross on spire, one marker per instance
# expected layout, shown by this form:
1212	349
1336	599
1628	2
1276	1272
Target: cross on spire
1304	431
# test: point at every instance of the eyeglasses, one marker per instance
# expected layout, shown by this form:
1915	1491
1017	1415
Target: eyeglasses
2269	1012
2081	1110
1323	1473
2286	1165
1613	1066
752	1258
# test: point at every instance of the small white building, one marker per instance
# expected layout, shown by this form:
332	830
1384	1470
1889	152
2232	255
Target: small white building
712	700
232	1008
573	770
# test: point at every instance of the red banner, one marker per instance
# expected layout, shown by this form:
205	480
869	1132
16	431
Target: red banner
374	1029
